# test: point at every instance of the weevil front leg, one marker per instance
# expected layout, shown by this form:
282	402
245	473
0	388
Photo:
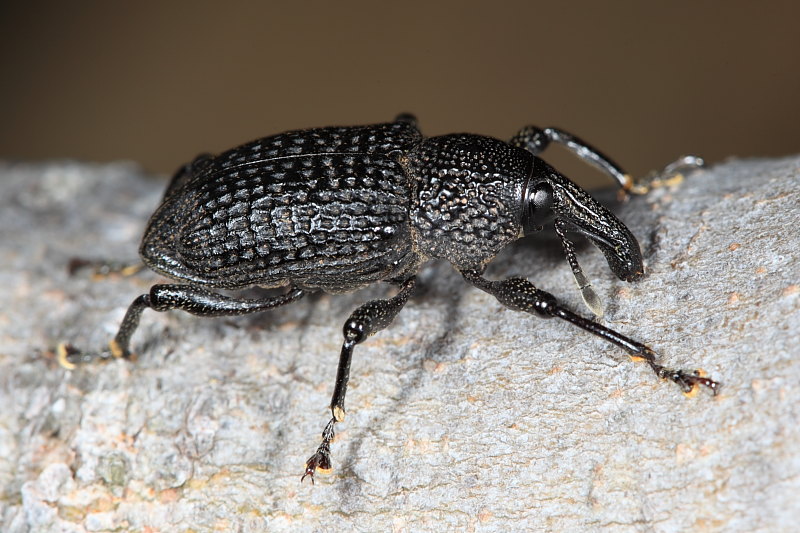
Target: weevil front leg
520	294
535	140
365	321
672	173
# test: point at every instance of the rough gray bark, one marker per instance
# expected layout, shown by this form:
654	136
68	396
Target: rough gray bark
462	415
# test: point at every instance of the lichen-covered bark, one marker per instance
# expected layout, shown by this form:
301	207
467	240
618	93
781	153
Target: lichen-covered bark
461	416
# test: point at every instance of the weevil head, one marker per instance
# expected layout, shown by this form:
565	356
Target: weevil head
549	196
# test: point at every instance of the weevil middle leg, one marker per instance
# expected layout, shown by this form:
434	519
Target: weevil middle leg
365	321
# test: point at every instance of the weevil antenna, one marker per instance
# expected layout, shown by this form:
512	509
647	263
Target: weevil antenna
590	297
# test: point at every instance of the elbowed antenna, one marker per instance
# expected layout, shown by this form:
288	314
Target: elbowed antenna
590	297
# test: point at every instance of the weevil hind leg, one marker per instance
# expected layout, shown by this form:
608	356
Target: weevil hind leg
365	321
194	300
101	269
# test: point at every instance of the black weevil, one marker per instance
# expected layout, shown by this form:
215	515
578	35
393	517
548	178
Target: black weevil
336	209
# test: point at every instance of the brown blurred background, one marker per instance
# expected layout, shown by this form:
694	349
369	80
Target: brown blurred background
159	82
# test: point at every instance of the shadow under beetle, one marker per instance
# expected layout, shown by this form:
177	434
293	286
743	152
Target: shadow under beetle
339	208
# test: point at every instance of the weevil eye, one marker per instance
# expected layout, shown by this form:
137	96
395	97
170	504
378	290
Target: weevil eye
538	207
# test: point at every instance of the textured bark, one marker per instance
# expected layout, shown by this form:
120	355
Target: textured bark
461	415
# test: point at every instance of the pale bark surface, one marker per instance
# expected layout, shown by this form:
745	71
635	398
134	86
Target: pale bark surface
461	416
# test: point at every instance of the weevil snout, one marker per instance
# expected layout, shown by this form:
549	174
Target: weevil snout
549	196
620	248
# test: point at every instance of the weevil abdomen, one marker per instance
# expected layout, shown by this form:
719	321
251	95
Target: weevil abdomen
325	208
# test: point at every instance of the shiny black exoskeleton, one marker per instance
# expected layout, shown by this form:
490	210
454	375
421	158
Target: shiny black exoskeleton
336	209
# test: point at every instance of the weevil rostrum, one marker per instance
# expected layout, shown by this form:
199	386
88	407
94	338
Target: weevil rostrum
339	208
